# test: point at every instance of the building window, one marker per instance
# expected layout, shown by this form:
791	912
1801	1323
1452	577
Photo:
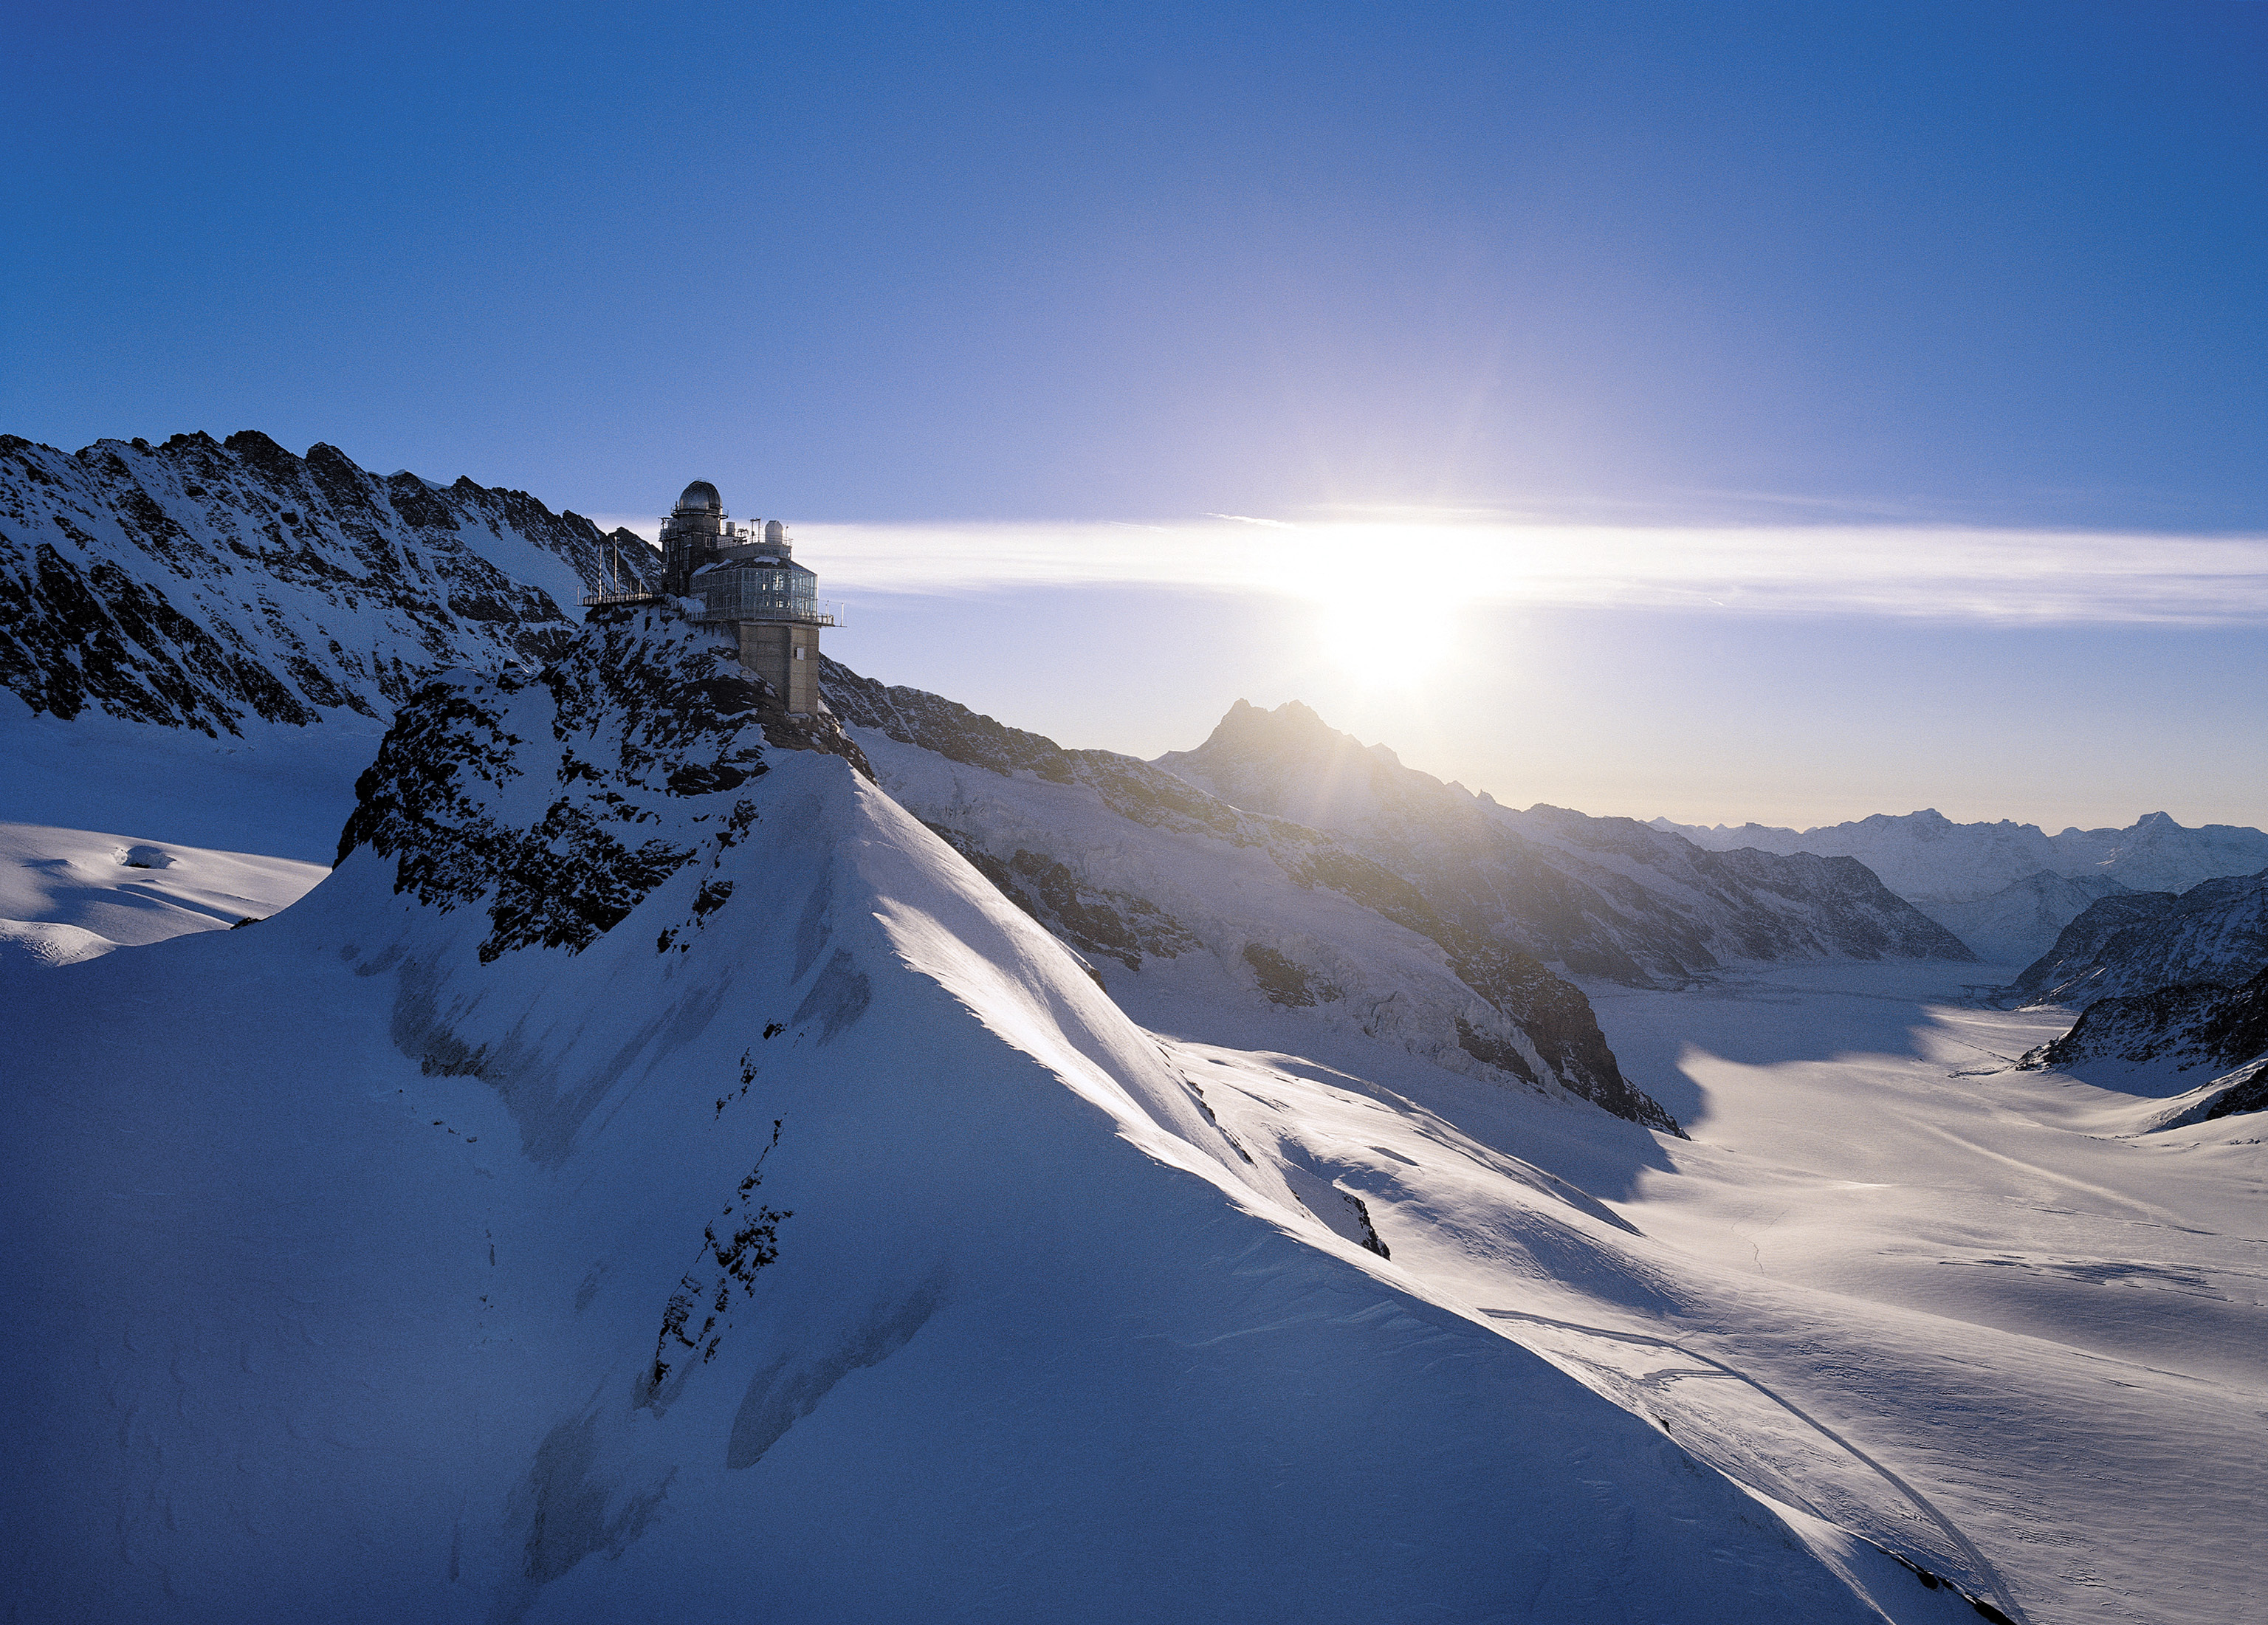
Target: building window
798	652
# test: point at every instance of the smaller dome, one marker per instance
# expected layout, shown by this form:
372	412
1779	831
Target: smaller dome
700	498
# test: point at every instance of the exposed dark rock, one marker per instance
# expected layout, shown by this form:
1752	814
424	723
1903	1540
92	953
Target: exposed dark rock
201	584
644	708
2193	1023
2138	942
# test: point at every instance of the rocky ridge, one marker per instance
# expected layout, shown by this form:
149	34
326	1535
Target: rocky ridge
1604	897
210	585
2138	942
2192	1024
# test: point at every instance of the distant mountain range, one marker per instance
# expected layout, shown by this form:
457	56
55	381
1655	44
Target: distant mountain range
1604	897
2005	888
1928	857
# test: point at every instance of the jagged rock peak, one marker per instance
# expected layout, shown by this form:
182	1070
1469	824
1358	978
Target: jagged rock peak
1291	727
559	801
1599	896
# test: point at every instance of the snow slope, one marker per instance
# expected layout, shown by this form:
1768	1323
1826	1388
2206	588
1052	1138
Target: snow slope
1600	897
1928	859
654	1174
70	894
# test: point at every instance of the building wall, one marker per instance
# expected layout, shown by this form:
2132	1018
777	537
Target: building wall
785	654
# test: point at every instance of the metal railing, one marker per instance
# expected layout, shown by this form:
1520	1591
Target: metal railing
591	600
816	617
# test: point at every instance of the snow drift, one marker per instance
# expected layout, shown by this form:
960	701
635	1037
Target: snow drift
70	894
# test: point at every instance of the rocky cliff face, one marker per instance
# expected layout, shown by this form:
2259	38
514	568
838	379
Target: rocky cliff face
2192	1024
210	585
2217	931
1599	896
557	841
1166	887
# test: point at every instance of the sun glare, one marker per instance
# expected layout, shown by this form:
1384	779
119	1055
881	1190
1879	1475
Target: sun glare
1385	601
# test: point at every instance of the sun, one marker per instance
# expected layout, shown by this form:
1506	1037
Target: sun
1372	619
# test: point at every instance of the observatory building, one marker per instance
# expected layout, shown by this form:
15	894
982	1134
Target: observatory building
749	576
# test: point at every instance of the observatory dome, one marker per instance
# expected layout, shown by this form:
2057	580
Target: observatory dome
700	498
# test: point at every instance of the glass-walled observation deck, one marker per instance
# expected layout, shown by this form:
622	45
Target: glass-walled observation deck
762	589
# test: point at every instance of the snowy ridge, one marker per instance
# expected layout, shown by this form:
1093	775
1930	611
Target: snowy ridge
214	586
1928	859
1200	917
2136	941
653	1166
1600	897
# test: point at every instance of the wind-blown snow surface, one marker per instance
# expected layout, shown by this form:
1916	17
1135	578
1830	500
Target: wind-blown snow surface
411	1253
70	894
2049	1318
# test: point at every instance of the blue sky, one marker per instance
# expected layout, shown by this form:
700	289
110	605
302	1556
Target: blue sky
1961	271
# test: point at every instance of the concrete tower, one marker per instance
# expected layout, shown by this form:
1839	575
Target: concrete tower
749	579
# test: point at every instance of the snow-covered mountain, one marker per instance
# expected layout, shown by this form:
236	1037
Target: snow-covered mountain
211	585
2136	941
1206	921
1928	859
2021	921
1602	897
205	640
655	1173
365	1261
